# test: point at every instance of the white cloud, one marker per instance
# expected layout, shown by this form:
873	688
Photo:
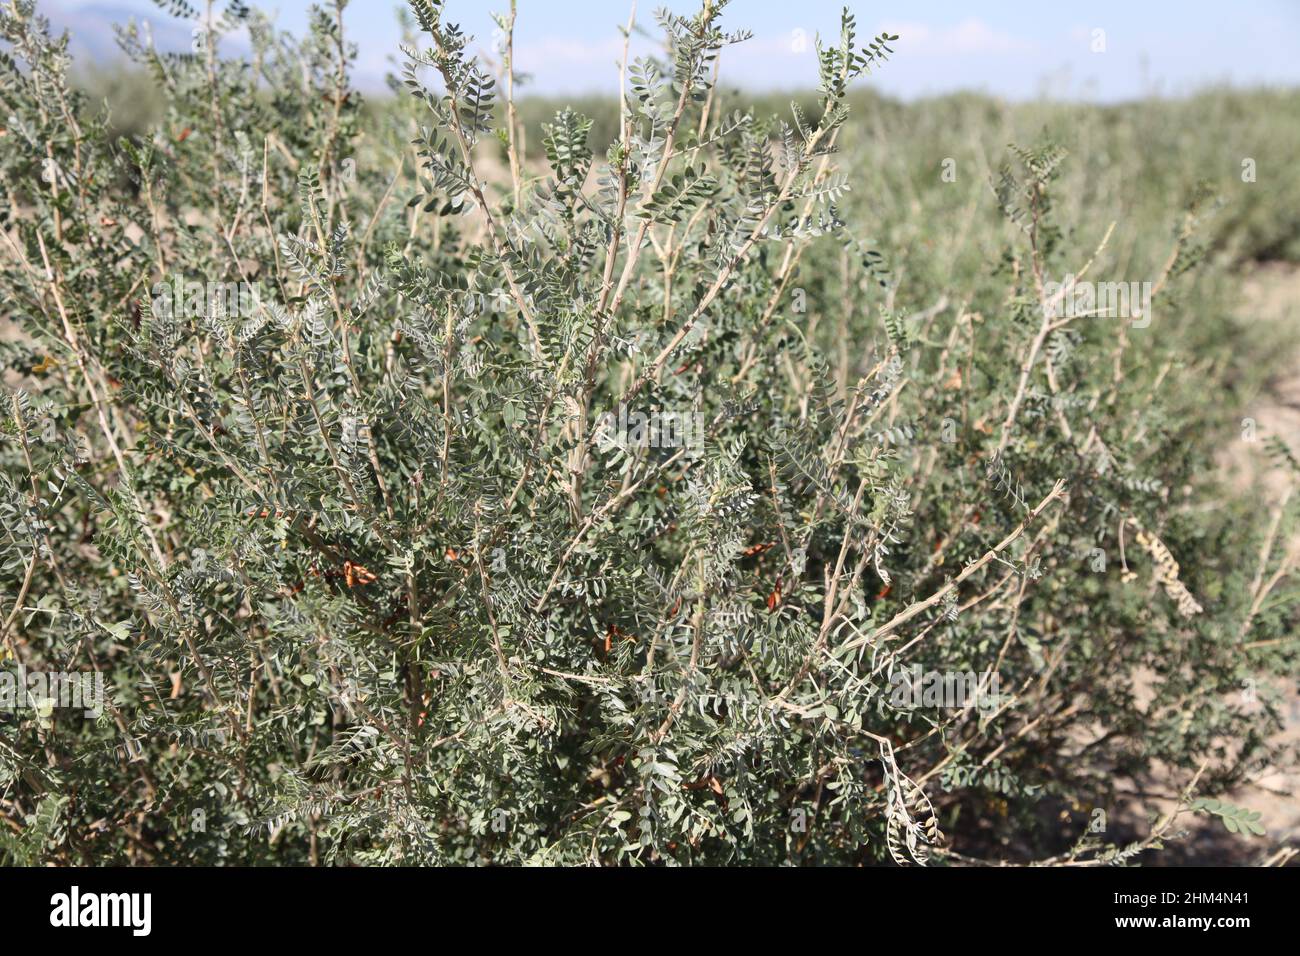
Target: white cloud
970	36
550	53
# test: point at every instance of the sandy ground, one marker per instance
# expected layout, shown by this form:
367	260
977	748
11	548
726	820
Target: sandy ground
1271	293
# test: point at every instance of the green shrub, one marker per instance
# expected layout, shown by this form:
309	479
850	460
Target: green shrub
649	505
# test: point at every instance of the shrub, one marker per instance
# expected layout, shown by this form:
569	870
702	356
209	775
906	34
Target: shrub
423	506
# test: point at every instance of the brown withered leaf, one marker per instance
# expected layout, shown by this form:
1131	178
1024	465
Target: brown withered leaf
355	574
774	599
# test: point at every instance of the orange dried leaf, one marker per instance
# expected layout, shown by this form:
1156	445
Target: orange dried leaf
774	599
356	574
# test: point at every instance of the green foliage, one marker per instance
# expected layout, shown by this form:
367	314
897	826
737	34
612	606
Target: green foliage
1235	819
417	515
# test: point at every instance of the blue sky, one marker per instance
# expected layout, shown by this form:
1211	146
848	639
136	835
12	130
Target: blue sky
1017	49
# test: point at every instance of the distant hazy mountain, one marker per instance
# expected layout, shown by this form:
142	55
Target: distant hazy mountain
90	28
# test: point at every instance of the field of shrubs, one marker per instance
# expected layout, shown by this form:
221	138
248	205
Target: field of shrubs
451	477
